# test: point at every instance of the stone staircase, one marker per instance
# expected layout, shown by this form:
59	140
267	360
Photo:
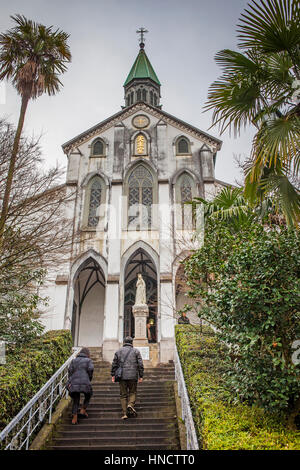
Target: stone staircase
154	428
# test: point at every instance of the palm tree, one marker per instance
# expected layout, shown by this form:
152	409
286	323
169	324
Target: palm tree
229	205
260	86
32	56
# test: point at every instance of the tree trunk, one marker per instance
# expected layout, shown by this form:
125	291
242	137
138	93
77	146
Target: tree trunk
293	414
11	168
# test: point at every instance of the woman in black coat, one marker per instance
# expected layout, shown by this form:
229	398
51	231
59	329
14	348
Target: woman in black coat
80	375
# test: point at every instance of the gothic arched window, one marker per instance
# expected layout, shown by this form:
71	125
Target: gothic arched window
182	146
185	191
95	197
155	100
151	97
98	148
140	198
139	95
144	94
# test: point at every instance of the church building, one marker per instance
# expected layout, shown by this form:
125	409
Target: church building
131	176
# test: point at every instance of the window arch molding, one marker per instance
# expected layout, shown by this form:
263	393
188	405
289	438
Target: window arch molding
182	145
99	147
185	189
134	144
192	174
94	210
140	188
91	175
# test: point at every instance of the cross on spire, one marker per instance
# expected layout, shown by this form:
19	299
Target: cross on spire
142	31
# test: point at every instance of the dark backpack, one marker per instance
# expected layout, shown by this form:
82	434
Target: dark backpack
119	371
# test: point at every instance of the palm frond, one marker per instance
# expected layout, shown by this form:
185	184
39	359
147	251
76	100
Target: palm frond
235	98
229	205
251	87
271	25
278	138
287	195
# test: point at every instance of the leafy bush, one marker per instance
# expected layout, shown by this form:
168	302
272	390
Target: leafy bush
21	378
249	285
19	307
221	425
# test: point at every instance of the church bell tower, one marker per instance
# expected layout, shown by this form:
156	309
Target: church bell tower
142	83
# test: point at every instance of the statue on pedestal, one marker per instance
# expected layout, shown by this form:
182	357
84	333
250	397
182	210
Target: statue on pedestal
140	312
140	296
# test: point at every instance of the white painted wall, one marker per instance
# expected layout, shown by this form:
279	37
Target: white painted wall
92	318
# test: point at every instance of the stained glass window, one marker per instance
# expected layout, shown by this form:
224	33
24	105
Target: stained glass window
186	195
94	203
182	146
98	148
185	189
140	195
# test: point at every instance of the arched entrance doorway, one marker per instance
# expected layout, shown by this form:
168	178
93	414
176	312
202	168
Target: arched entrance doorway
88	305
140	262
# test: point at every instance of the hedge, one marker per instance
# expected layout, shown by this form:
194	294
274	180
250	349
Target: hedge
221	425
22	377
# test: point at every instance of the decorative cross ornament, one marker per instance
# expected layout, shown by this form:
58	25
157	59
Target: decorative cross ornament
142	31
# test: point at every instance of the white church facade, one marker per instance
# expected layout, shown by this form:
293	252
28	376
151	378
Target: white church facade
130	176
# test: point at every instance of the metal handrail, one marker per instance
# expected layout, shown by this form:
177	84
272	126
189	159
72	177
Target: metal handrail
186	413
19	431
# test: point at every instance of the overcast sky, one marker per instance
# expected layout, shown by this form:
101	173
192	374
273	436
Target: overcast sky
183	39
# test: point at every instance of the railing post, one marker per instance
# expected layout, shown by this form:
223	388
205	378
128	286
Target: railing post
28	428
51	403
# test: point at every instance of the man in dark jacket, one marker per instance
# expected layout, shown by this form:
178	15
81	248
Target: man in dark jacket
80	375
133	371
183	320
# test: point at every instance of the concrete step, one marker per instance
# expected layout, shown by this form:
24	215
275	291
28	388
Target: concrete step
107	435
141	390
114	420
149	372
139	406
164	399
101	377
142	397
140	386
113	447
127	425
115	415
117	441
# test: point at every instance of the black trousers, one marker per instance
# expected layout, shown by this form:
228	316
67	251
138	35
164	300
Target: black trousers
76	400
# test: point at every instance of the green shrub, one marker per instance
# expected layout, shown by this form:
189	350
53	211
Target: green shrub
220	424
22	377
250	291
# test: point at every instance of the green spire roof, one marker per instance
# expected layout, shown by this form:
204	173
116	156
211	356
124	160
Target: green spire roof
142	68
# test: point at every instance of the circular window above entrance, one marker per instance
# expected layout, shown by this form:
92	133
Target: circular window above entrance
141	121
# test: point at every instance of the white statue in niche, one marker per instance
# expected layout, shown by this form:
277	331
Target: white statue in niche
140	295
